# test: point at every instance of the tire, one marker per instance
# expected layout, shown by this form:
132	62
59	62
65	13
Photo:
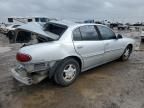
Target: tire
67	72
127	52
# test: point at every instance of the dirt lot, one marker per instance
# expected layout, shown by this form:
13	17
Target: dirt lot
113	85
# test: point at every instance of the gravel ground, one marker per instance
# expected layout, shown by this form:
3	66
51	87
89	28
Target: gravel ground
113	85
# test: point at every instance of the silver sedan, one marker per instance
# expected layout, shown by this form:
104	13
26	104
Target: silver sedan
65	49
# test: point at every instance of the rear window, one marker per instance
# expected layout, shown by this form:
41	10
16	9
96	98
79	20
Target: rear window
55	28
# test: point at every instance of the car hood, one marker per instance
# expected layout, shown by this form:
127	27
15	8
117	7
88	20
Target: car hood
38	29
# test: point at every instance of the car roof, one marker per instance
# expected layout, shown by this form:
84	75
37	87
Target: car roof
70	23
64	22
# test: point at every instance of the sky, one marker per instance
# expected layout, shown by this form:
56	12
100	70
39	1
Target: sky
113	10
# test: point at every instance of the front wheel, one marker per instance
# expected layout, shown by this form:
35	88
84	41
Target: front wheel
126	53
67	72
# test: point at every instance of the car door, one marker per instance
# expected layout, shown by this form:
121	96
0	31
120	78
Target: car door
113	47
88	46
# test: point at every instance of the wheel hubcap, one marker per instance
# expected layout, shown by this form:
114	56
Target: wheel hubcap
69	72
127	53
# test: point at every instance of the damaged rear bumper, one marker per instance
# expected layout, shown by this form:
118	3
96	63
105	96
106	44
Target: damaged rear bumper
39	73
28	80
17	76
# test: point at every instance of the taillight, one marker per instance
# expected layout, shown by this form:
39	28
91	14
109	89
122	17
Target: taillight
23	57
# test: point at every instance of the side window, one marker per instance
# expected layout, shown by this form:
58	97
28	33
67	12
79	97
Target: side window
77	35
106	32
89	33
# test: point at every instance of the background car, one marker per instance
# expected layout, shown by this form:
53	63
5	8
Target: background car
6	28
10	32
122	27
142	35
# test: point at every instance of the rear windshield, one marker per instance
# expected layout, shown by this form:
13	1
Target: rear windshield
56	29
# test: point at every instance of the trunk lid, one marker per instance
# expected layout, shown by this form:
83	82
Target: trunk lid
37	28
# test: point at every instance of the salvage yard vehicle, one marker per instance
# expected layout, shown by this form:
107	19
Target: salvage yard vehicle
64	49
142	35
8	28
122	27
11	31
23	33
3	29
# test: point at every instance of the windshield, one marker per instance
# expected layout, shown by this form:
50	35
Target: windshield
55	29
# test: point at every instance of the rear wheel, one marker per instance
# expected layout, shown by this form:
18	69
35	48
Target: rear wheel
126	53
67	72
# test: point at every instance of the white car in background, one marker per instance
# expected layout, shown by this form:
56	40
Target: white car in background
65	49
6	28
10	31
12	27
142	35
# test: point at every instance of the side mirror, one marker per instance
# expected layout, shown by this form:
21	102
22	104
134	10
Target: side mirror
119	36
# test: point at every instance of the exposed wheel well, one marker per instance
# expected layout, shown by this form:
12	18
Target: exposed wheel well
77	59
131	46
53	70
